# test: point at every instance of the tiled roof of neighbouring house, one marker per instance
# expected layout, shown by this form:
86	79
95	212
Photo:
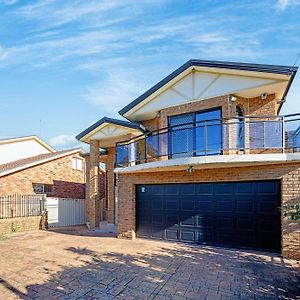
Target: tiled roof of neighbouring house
24	163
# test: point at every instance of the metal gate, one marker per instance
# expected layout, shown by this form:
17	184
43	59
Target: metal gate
65	211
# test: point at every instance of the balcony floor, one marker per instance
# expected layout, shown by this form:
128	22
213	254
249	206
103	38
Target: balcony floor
215	161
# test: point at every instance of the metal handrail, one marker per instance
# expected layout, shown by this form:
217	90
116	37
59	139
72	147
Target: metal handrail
247	121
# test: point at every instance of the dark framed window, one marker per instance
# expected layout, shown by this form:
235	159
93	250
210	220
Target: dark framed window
42	188
240	129
196	134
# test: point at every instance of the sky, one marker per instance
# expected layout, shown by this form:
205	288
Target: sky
66	64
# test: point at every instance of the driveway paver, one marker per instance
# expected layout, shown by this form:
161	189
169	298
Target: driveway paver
77	264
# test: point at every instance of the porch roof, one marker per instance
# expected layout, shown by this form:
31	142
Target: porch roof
109	130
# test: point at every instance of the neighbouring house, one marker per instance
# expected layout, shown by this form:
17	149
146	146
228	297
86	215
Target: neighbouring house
30	166
204	157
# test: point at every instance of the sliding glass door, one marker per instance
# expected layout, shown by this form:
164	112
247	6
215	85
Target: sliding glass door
196	134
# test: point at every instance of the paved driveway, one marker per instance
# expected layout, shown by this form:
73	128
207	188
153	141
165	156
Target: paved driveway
72	265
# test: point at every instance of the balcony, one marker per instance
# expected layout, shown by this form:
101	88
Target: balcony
215	137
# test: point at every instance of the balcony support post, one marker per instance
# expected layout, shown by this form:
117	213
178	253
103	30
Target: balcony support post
283	133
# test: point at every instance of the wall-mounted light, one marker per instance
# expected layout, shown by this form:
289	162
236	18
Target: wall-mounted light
190	169
264	96
232	98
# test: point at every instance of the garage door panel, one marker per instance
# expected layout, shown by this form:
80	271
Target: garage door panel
245	224
244	206
172	203
172	220
158	203
244	188
267	207
188	236
245	240
188	221
223	189
232	214
187	189
158	219
144	231
205	221
224	205
204	189
144	219
206	236
172	189
267	242
267	187
224	222
204	205
172	234
187	203
158	232
224	238
267	225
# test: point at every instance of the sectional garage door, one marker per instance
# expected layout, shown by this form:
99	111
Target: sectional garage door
231	214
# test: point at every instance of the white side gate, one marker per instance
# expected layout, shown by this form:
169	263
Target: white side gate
65	211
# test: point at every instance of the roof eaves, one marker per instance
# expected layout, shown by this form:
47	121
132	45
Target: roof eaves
109	120
54	156
275	69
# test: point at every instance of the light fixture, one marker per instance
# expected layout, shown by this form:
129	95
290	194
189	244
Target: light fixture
264	96
190	169
232	98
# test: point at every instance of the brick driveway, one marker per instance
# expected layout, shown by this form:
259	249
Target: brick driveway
74	265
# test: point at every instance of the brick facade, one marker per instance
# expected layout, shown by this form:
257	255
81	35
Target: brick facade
14	225
110	179
66	182
289	174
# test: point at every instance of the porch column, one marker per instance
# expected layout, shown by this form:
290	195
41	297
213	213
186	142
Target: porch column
93	199
110	179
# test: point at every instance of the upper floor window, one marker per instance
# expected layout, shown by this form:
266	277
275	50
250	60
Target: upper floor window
77	164
240	128
196	134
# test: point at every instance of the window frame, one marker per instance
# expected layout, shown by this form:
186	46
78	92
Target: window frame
44	189
194	125
76	159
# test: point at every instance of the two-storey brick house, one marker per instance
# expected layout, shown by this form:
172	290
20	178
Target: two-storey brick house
204	158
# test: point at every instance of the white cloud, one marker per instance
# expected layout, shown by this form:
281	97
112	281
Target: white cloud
284	4
63	141
8	2
115	90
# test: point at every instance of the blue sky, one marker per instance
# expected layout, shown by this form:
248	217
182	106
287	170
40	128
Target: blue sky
65	64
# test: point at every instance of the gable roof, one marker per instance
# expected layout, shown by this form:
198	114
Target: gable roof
21	164
26	138
107	120
273	69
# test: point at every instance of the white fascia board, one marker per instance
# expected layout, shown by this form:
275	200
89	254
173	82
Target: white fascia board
94	132
39	162
218	161
26	138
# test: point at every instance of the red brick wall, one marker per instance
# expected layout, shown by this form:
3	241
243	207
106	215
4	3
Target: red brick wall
288	173
66	182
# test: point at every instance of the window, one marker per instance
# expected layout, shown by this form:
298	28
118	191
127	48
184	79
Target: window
240	129
42	188
77	164
196	134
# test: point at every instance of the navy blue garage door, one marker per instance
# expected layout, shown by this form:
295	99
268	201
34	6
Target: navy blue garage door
231	214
